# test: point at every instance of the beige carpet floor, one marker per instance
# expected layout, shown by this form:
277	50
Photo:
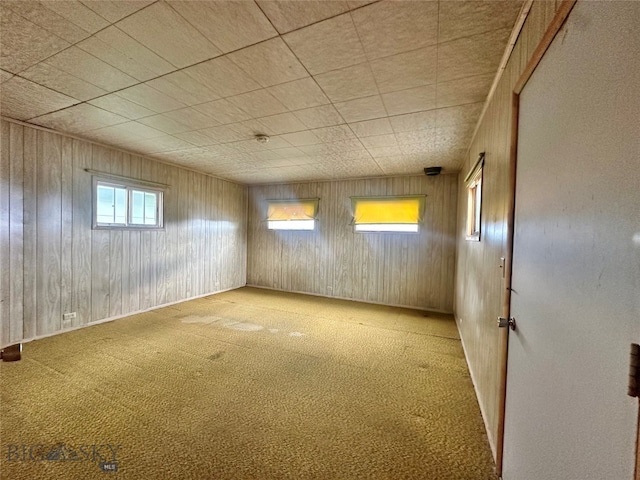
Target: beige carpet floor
246	384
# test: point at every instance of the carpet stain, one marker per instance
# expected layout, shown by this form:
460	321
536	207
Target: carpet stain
297	334
216	355
244	326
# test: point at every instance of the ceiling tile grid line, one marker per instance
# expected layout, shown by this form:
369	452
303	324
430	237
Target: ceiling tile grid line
388	85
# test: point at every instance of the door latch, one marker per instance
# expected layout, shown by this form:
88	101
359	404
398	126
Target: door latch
507	322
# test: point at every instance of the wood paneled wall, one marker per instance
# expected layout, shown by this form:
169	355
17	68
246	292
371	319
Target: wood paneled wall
52	262
395	269
479	276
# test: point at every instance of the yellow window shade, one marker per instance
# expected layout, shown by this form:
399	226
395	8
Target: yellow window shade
292	209
392	210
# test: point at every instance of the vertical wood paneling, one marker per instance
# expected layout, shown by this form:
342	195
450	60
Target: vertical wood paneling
49	225
30	231
16	232
5	267
66	263
333	260
53	262
479	283
100	250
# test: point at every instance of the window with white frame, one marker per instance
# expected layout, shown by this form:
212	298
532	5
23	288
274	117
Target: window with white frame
292	214
392	214
473	183
126	205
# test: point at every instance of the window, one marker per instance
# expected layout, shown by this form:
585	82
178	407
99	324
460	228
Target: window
292	214
118	205
387	214
473	182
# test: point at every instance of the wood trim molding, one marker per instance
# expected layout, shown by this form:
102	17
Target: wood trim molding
554	27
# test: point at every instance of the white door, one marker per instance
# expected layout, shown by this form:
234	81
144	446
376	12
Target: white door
576	260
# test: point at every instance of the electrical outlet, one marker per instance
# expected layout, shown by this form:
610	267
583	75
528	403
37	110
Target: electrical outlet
67	317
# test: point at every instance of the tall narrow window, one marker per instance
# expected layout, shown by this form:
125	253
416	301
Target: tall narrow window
119	205
473	183
388	214
292	214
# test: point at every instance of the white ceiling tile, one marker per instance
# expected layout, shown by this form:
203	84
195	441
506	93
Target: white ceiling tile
193	118
269	63
289	15
24	43
411	100
115	10
222	111
328	45
466	18
79	118
471	56
348	83
387	28
406	70
464	90
116	48
77	13
130	130
62	82
161	29
362	109
150	98
299	94
4	76
423	137
299	139
463	114
414	121
259	103
223	77
121	106
336	133
22	99
283	123
218	21
368	128
389	151
42	16
165	124
379	141
79	63
323	116
184	88
167	143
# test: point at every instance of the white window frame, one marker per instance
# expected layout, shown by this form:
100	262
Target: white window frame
130	187
473	182
294	225
387	228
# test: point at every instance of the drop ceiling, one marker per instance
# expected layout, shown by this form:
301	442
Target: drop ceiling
343	88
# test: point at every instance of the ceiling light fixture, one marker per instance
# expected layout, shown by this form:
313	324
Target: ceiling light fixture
262	138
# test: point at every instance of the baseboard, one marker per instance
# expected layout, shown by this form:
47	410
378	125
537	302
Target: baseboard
492	442
117	317
411	307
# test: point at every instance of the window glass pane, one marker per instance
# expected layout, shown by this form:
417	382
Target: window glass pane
120	205
137	208
150	208
291	224
111	205
387	227
105	204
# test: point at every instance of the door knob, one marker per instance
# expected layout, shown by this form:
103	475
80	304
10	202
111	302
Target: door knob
507	322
